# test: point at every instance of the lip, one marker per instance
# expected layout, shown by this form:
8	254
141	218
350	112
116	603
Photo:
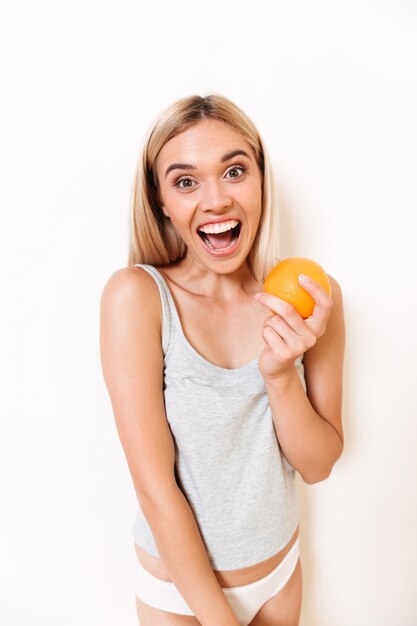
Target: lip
220	221
222	252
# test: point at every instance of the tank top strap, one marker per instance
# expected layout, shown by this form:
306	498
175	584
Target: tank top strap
170	318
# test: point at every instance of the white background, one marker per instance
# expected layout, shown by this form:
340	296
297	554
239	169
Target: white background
332	88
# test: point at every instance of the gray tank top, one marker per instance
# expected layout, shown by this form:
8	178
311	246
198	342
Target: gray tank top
228	462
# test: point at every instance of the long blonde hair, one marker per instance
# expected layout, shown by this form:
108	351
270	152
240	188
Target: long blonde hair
152	239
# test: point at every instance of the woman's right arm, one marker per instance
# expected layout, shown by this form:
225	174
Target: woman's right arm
132	362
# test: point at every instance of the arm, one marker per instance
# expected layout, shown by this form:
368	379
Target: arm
132	362
308	426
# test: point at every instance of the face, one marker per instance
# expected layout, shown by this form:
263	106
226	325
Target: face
210	188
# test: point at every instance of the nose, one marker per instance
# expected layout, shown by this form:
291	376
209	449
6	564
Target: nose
214	197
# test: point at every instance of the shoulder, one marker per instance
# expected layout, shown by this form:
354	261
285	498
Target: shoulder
335	325
131	287
336	290
131	295
129	283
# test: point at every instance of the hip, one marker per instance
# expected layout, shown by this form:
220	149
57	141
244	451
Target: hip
226	578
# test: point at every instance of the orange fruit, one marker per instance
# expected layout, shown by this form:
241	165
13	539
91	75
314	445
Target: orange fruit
282	281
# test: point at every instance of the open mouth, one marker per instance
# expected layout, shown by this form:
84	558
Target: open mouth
221	240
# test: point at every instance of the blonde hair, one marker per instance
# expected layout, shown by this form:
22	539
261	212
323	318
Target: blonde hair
152	239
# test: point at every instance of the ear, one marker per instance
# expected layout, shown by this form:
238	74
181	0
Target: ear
161	205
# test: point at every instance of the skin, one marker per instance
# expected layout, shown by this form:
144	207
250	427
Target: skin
308	426
314	441
213	191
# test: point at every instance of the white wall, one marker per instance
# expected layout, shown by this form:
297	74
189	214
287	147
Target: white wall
332	88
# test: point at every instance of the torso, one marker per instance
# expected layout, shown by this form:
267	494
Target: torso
226	578
215	336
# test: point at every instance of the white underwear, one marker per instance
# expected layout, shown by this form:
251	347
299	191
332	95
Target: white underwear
245	600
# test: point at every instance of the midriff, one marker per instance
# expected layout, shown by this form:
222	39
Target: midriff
226	578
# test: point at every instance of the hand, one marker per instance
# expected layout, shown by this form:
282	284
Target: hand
286	334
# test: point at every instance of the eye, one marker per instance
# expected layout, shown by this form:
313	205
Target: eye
237	171
188	182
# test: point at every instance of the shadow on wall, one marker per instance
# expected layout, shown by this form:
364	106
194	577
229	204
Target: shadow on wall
286	227
312	605
309	611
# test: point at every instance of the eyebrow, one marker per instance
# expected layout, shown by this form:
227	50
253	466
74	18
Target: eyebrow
188	166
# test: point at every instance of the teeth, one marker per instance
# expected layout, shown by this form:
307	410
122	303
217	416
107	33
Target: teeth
211	229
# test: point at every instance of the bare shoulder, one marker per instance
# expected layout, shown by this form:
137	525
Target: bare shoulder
335	329
130	323
336	291
132	362
130	287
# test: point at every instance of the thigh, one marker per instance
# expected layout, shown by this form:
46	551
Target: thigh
150	616
284	608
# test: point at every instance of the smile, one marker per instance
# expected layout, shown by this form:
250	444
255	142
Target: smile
221	238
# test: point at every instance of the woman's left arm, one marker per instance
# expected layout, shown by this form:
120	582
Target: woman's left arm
308	425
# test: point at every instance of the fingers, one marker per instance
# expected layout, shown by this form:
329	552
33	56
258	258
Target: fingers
315	324
275	341
323	305
283	309
316	291
286	334
284	339
285	331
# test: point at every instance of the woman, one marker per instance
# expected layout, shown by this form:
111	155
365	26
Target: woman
208	376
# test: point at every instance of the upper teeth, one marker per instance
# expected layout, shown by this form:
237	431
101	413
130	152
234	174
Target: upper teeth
218	228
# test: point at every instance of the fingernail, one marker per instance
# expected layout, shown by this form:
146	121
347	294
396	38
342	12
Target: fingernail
304	278
258	296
